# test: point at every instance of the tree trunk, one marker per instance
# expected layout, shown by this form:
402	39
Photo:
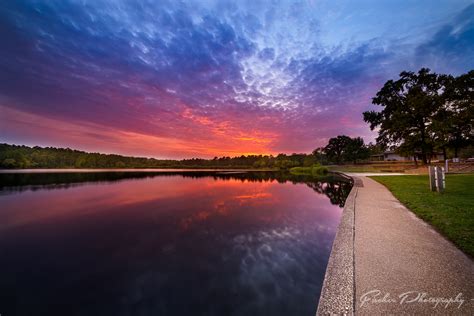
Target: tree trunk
423	156
339	158
456	152
423	149
445	156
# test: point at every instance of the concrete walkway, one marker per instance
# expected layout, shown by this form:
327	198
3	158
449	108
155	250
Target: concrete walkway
400	265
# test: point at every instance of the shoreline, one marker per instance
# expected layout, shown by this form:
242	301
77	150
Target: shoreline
89	170
337	293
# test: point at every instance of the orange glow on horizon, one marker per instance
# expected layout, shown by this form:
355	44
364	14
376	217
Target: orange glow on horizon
218	139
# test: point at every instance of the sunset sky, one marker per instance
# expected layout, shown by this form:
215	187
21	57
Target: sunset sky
180	79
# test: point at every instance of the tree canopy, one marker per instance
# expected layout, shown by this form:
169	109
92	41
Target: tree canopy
335	149
356	150
424	111
345	149
456	117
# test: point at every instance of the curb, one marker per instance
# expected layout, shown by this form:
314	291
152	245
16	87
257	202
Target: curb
337	294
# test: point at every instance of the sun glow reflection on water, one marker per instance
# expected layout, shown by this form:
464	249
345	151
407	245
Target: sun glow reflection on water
166	245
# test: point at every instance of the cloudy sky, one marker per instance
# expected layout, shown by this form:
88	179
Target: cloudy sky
178	79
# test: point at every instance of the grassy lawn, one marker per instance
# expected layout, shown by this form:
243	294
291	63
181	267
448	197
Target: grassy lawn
354	168
373	167
451	213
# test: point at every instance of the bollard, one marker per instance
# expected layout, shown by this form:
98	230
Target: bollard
437	179
432	174
440	184
443	179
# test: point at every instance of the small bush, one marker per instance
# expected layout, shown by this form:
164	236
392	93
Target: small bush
316	170
319	170
300	170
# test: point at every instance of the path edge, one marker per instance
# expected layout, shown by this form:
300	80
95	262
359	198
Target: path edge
337	293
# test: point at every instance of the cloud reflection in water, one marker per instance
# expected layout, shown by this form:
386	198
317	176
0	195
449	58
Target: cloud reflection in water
250	245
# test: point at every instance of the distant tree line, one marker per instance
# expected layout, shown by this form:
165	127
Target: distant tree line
14	156
423	112
339	150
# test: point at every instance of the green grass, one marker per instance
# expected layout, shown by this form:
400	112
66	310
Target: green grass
399	168
451	213
353	168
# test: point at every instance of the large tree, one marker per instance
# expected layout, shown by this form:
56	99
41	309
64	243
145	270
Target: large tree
343	148
336	146
409	104
356	150
455	119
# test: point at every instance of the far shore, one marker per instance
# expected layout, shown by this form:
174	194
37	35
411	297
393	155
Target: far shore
73	170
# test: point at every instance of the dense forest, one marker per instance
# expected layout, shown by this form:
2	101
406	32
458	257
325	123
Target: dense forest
339	150
14	156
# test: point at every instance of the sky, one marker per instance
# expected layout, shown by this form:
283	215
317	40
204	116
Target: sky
180	79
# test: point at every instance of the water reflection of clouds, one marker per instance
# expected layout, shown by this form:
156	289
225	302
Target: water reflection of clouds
255	247
272	262
226	201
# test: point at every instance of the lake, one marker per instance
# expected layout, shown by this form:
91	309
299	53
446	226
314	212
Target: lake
165	243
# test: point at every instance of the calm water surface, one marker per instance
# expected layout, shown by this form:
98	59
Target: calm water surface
165	244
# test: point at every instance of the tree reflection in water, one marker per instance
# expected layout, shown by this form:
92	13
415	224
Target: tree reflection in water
166	243
336	191
335	187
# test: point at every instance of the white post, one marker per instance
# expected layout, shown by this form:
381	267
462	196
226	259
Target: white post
439	175
432	174
446	165
443	175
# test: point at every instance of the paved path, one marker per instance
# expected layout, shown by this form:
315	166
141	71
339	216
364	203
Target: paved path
382	250
368	174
